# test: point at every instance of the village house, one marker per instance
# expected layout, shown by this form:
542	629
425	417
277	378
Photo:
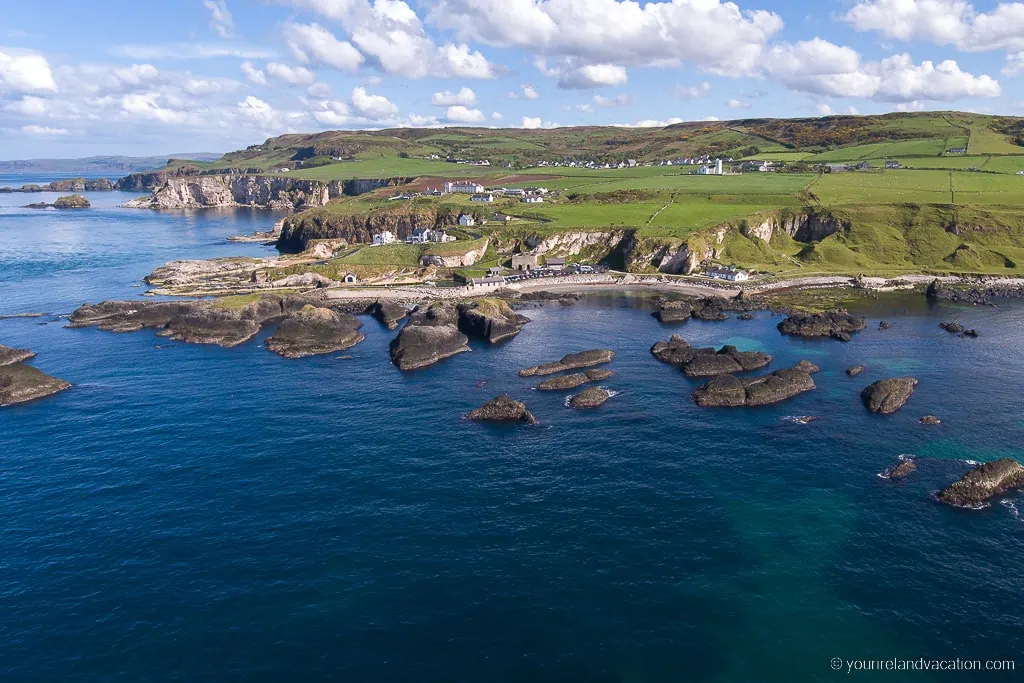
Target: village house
487	282
484	198
501	217
349	278
892	163
495	271
381	238
524	261
707	169
466	220
464	187
532	199
419	236
730	273
957	150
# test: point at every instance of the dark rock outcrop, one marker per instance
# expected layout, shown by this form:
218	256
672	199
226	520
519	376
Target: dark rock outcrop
72	201
431	335
900	470
227	322
836	324
490	319
708	361
572	361
710	308
591	397
9	356
731	391
312	331
930	420
388	312
983	483
573	380
503	409
952	328
807	366
855	370
884	325
20	383
888	395
673	312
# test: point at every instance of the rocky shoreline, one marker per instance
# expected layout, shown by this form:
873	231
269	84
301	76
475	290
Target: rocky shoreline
20	382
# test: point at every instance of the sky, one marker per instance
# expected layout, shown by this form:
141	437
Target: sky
151	78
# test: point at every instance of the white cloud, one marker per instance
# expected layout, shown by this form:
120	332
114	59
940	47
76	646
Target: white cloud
297	75
825	109
333	113
710	118
176	51
446	98
529	92
583	108
43	131
694	91
1014	64
572	76
313	44
220	18
151	106
714	35
320	90
255	75
25	72
461	114
737	104
650	123
418	121
620	100
531	122
943	22
372	106
259	112
496	116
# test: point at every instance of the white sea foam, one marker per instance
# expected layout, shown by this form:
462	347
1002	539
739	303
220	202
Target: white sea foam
1014	510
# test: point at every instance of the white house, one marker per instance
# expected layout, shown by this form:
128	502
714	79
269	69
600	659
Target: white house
349	278
487	282
440	236
464	186
386	237
482	198
532	199
419	236
466	220
732	274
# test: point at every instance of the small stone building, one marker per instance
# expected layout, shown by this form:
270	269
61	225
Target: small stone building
524	261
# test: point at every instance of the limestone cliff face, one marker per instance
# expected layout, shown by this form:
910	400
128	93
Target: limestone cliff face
573	243
300	230
197	192
809	225
455	260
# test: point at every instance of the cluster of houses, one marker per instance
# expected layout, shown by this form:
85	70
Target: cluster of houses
481	195
596	165
418	236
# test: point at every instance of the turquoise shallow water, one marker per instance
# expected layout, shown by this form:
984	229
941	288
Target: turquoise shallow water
197	513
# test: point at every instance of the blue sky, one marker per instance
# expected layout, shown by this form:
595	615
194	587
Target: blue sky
123	77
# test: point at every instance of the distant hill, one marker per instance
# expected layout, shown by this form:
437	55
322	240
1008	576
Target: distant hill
114	165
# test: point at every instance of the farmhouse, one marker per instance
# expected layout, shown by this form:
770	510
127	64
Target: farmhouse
532	199
466	220
957	150
463	186
893	163
524	261
732	274
501	217
483	198
381	238
419	236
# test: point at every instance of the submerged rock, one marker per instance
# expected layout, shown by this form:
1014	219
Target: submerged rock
388	312
20	383
572	361
983	483
708	361
673	312
855	370
9	356
836	324
952	328
490	319
503	408
807	366
900	470
709	308
930	420
591	397
746	316
574	380
888	395
431	335
227	321
884	325
732	392
312	331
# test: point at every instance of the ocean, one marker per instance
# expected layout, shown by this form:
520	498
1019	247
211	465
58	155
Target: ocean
193	513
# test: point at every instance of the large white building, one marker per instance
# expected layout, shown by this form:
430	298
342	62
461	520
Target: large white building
386	237
482	198
463	186
708	169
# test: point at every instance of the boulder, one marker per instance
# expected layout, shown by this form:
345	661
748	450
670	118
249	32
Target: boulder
303	280
674	312
490	319
900	470
312	331
971	333
388	312
707	361
20	383
709	308
72	201
431	335
502	408
807	366
855	370
746	316
9	356
983	483
884	325
888	395
952	328
591	397
930	420
572	361
730	391
836	324
571	381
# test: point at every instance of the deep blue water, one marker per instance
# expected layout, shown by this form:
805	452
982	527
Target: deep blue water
192	513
